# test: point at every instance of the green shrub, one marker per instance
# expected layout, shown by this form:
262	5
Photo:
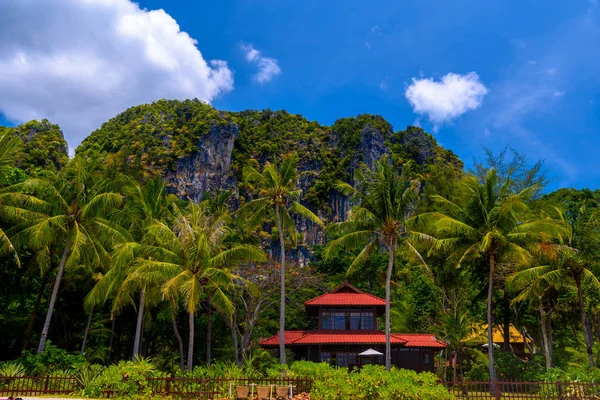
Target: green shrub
11	369
372	382
125	379
52	361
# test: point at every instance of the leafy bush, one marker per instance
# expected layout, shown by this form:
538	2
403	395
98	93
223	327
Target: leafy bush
372	382
125	379
52	361
11	369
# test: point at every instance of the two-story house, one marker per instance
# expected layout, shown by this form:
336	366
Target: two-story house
347	325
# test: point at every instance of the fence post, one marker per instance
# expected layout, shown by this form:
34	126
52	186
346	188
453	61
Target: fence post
559	389
496	389
47	383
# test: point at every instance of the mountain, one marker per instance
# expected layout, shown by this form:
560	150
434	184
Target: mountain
44	147
199	149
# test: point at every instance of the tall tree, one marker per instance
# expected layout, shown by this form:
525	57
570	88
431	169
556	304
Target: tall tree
384	201
144	206
533	287
190	258
9	145
277	193
488	222
69	216
580	253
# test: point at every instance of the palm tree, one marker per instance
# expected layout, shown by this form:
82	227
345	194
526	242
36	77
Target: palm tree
384	201
581	251
9	145
533	287
145	205
190	260
458	331
488	222
68	215
277	193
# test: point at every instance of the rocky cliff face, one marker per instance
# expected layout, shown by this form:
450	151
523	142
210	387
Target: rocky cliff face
209	168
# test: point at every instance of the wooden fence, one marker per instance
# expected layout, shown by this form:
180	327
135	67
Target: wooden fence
198	388
207	388
517	390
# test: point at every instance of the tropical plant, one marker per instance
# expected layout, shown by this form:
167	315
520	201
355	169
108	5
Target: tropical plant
580	252
533	287
277	193
67	214
144	206
488	222
461	335
189	260
9	144
384	201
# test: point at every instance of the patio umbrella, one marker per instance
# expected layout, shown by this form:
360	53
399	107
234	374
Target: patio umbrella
370	352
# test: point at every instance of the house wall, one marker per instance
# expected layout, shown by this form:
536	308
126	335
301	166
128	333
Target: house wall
417	359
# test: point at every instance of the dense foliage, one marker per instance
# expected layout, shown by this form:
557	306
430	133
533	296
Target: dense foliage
147	274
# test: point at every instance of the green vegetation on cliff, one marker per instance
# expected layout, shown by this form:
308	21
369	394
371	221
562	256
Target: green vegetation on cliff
147	140
44	148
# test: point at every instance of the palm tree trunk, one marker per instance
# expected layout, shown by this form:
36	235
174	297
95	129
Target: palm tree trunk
138	326
190	356
282	294
208	332
506	322
388	280
545	336
87	331
180	343
454	366
112	337
549	333
234	339
59	274
584	322
36	307
489	321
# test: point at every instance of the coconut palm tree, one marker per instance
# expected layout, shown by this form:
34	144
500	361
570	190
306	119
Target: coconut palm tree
144	206
461	335
68	215
384	201
581	251
277	194
9	145
488	222
533	287
189	260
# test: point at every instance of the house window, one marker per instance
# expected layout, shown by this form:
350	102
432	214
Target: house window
325	357
366	320
333	320
354	320
427	359
342	359
352	358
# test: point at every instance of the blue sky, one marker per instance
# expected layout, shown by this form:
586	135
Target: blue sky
537	67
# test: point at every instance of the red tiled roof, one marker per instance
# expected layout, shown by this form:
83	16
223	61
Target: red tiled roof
289	337
421	340
346	299
353	337
346	295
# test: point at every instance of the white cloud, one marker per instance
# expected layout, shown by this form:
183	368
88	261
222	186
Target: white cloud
384	85
267	67
442	101
80	62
